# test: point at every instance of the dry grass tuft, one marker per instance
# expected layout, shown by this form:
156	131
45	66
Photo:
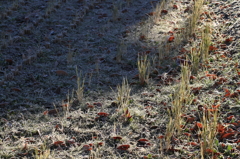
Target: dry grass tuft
209	130
205	43
123	94
143	68
180	99
43	153
193	19
195	59
80	86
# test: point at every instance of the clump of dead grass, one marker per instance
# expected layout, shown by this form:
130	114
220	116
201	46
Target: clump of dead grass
80	86
181	98
206	42
123	94
194	17
144	69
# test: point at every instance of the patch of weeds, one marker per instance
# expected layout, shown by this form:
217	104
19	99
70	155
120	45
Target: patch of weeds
192	21
123	94
115	11
143	69
43	152
70	56
180	99
80	86
205	43
195	59
120	51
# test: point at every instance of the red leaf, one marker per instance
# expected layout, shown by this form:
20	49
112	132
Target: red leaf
142	37
175	7
190	119
161	137
61	73
170	32
16	89
126	112
70	142
164	11
128	116
136	76
53	111
73	77
216	106
56	143
222	79
103	114
4	103
192	77
57	126
124	11
9	61
212	48
230	117
193	143
97	104
211	76
183	50
170	39
151	13
117	137
148	52
143	140
199	125
228	40
186	10
94	137
227	92
23	154
45	112
115	75
123	147
233	95
228	135
187	134
209	151
196	88
212	110
90	106
148	107
87	147
223	145
223	56
220	128
50	112
100	143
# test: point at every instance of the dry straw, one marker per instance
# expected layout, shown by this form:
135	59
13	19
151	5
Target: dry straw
143	68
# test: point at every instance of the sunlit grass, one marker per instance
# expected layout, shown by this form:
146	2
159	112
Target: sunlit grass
123	94
181	98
